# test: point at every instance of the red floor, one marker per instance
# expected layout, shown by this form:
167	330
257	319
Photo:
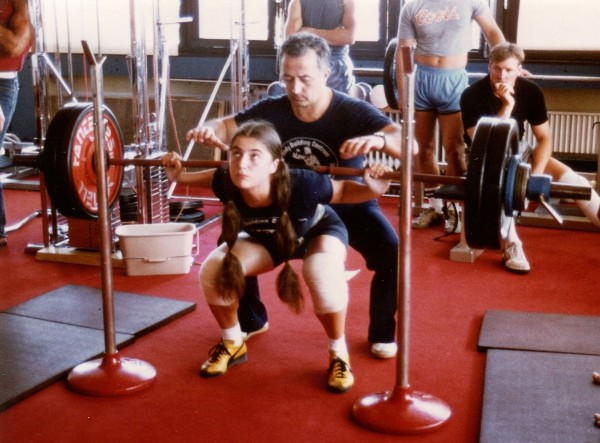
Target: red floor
279	394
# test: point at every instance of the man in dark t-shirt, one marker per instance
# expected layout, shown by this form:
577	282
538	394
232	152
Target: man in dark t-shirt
504	93
319	125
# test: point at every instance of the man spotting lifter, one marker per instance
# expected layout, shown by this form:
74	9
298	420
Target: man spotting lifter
318	124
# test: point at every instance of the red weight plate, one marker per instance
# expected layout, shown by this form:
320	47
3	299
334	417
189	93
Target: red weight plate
69	162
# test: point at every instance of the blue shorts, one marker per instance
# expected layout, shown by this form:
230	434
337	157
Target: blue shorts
341	77
329	224
439	89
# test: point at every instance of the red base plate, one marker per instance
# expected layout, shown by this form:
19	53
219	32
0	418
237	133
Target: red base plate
402	411
111	376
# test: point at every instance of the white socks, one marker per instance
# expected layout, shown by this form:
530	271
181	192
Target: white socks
512	236
339	346
234	334
437	204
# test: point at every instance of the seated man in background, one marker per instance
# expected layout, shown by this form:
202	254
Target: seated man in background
504	93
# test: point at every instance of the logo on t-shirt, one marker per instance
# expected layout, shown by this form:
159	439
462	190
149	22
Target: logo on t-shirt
427	16
308	152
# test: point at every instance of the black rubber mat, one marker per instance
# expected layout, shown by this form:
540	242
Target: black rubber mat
82	306
532	331
540	397
35	353
42	339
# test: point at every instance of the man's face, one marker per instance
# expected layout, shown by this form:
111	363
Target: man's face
505	72
305	81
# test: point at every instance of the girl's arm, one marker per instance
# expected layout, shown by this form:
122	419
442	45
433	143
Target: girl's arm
349	191
175	172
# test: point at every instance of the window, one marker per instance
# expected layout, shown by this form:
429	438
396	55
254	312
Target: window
546	29
212	30
559	29
222	19
549	31
66	23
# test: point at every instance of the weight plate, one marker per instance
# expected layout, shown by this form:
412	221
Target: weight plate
493	141
509	185
520	192
390	86
68	160
502	141
473	185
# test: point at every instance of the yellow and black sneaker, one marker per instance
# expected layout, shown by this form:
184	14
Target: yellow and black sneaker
223	355
340	375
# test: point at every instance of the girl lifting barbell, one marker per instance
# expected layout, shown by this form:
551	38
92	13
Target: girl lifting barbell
273	215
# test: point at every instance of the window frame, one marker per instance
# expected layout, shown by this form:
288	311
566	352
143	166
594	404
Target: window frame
191	45
389	14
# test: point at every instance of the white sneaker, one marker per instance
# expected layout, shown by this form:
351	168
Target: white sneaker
514	259
452	223
427	218
247	335
384	350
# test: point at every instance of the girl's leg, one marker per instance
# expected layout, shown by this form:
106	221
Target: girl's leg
231	349
324	274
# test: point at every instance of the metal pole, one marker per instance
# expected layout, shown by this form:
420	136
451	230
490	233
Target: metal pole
103	210
110	375
403	410
404	249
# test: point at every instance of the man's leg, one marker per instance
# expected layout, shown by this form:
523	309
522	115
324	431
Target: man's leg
563	174
374	238
426	163
451	131
252	312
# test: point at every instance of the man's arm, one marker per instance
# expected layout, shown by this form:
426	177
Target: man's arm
343	35
215	133
543	149
388	141
399	69
491	31
293	22
17	35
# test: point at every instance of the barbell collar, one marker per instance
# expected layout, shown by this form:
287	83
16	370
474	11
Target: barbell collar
26	160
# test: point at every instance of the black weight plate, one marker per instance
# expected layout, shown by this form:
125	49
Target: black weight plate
474	183
390	88
499	151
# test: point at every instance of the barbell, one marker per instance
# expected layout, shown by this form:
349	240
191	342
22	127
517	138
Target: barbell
497	185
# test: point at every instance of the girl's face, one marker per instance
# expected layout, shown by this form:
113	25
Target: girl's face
251	164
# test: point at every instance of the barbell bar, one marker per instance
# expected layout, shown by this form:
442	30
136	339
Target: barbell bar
497	185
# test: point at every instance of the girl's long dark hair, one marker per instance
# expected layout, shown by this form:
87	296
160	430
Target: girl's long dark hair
232	279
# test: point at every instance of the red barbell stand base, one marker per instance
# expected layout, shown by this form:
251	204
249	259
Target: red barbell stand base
401	411
111	376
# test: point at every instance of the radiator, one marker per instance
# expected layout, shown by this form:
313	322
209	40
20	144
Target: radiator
574	133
